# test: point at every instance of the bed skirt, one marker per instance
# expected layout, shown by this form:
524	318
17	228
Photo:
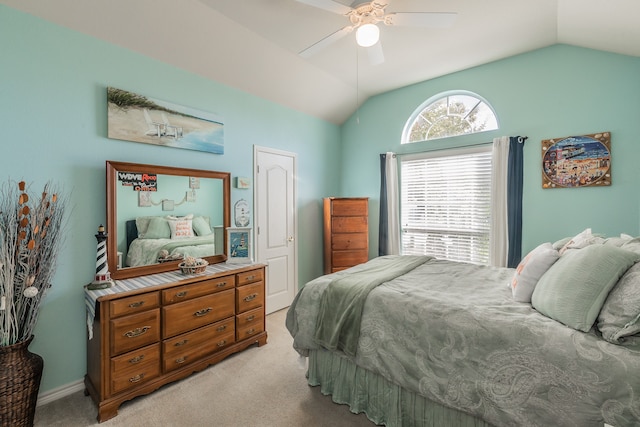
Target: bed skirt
383	402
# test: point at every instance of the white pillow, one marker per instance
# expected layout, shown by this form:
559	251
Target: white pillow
531	269
581	240
180	228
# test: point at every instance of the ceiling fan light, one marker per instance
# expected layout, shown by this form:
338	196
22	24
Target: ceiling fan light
367	35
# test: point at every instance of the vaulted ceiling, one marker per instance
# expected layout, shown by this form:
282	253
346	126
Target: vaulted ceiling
253	45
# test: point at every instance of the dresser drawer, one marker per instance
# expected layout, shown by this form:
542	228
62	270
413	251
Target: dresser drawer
185	316
134	304
349	258
249	323
189	347
190	340
352	207
195	290
134	368
250	277
249	297
349	224
344	241
134	331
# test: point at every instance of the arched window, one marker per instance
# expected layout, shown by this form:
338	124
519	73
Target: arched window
451	114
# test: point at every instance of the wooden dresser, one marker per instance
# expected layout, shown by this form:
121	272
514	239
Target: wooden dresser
148	334
346	232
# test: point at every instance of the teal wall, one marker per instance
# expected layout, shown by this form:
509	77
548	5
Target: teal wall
53	110
552	92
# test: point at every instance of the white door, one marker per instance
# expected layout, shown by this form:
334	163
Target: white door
275	216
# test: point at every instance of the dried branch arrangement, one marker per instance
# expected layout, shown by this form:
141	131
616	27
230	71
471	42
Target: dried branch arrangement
30	239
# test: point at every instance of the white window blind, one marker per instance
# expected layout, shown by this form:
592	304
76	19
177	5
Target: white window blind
446	204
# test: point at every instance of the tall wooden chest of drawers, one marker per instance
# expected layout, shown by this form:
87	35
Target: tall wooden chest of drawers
145	336
346	232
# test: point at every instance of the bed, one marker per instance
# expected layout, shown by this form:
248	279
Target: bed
164	238
418	341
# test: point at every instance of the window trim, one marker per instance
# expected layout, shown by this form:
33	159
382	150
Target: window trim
406	131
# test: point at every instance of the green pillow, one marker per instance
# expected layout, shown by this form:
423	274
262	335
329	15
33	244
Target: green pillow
201	226
573	290
158	229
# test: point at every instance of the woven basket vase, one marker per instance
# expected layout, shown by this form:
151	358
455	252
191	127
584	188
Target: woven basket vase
20	374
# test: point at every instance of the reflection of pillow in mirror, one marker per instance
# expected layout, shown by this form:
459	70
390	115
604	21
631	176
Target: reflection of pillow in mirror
201	226
181	228
158	228
142	223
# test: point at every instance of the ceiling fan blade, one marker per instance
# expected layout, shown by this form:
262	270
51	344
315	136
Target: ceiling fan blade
331	38
423	19
329	5
375	53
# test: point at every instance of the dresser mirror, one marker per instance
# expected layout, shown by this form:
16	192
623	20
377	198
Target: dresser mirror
157	215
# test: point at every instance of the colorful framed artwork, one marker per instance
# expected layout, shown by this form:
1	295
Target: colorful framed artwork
138	118
239	245
577	161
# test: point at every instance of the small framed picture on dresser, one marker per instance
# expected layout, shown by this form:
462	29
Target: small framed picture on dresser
239	245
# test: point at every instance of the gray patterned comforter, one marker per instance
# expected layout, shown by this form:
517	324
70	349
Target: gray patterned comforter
452	333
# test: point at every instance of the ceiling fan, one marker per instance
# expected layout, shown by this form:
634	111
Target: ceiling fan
364	19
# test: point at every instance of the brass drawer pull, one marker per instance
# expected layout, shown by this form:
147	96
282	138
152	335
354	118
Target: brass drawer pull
136	379
222	343
136	359
136	304
136	332
221	284
181	343
250	278
251	331
181	294
250	297
202	312
251	318
181	360
221	328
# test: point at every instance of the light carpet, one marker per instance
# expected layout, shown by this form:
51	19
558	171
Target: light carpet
261	386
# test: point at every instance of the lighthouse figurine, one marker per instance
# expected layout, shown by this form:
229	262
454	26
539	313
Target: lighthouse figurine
103	277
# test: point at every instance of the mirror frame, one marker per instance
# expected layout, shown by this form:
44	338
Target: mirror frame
112	168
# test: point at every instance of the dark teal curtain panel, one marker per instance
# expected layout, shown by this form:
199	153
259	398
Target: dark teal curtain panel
514	199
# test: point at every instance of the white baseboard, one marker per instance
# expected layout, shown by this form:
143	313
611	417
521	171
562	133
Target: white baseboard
60	392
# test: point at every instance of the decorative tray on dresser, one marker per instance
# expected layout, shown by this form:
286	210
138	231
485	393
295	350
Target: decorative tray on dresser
151	330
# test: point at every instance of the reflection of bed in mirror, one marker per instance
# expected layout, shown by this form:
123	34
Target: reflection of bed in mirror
150	240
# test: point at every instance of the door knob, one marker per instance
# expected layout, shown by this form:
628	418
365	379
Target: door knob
290	239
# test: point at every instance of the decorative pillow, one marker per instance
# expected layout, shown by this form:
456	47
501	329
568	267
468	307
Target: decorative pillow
142	223
530	270
619	318
201	226
573	290
157	228
618	241
181	228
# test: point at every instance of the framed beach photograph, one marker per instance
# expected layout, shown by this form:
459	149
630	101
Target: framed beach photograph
577	161
138	118
239	245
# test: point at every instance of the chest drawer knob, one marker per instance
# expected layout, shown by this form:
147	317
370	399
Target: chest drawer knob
251	331
222	284
136	332
222	343
181	360
136	359
136	304
250	297
251	318
181	294
221	328
181	343
136	379
202	312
